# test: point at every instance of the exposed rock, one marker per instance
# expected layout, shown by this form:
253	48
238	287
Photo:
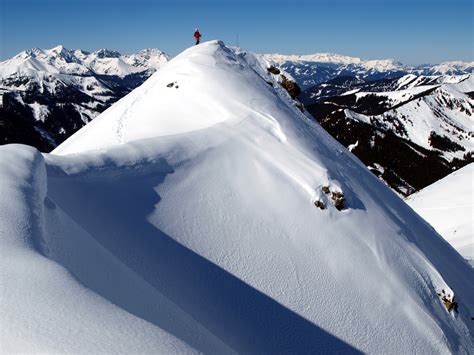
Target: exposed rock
338	200
320	204
448	301
290	86
274	70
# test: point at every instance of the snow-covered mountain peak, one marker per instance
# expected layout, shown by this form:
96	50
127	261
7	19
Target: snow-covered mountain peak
332	58
59	49
80	52
149	57
206	203
204	77
150	51
106	53
30	53
59	60
63	56
384	65
448	68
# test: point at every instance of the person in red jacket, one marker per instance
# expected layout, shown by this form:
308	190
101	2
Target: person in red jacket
197	35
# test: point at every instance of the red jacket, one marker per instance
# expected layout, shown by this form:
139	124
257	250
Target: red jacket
197	35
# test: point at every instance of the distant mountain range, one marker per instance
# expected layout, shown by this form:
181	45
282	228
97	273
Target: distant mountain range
48	94
410	131
314	69
411	125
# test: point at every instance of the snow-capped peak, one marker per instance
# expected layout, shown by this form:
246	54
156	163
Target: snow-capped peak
207	204
383	65
30	53
331	58
106	53
150	51
318	57
453	68
58	49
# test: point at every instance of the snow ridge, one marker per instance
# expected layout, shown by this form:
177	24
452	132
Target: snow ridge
207	209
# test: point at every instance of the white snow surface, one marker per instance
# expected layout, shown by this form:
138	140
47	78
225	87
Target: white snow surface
43	307
39	111
185	220
448	205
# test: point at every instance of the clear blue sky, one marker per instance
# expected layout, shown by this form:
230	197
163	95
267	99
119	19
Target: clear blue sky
412	31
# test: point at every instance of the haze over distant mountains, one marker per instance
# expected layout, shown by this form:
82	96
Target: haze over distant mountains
313	69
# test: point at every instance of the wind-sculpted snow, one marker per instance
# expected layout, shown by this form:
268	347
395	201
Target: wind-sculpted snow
43	307
448	205
196	216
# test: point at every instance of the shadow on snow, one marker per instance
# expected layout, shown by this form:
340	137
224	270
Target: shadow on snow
112	206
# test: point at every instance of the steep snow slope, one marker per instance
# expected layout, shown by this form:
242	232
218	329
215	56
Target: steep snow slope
43	308
191	206
448	205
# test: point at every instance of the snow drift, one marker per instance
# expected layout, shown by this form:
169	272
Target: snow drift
448	205
185	217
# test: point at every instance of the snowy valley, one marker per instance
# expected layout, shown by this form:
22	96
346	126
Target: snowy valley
232	224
